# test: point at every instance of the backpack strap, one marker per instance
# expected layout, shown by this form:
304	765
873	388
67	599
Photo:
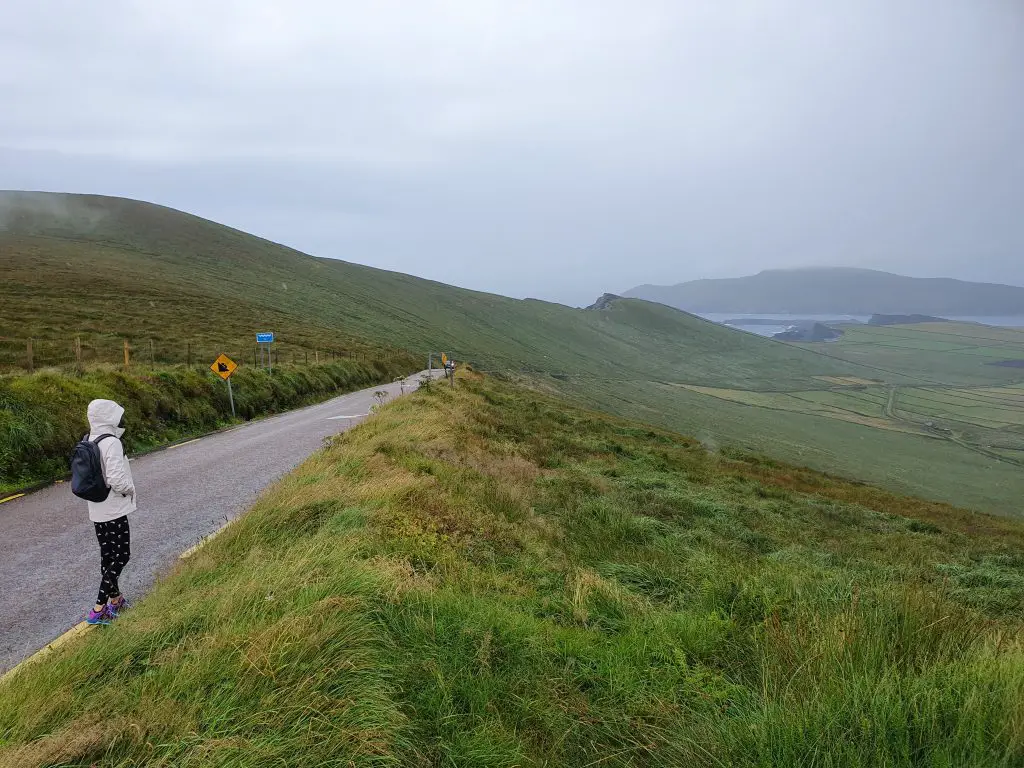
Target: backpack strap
100	439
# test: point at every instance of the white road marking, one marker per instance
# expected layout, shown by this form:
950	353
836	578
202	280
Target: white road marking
354	416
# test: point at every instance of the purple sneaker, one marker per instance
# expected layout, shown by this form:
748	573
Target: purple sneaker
99	617
117	606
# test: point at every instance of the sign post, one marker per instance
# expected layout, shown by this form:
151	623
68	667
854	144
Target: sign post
266	340
449	368
224	366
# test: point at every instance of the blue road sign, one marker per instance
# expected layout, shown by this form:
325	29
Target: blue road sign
264	338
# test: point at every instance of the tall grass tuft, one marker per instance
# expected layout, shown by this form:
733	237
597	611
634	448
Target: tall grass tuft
474	578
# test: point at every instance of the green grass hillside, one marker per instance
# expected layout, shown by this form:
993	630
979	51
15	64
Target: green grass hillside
120	268
107	269
490	577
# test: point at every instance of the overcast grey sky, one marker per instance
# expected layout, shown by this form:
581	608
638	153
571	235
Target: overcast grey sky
556	148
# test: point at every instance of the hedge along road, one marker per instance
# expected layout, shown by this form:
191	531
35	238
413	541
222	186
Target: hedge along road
50	567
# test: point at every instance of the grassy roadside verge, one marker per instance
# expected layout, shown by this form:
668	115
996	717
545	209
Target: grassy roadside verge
43	415
487	577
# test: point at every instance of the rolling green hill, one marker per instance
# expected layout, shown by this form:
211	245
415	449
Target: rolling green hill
837	291
108	269
121	268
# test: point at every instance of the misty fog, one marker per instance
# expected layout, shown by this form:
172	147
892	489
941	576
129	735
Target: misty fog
557	151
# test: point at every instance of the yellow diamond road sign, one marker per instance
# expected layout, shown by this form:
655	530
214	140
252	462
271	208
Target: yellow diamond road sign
224	366
444	359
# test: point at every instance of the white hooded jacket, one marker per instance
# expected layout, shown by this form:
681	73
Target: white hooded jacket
104	416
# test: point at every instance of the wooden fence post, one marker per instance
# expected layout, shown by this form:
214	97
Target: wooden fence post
31	360
127	355
188	354
78	354
152	354
316	356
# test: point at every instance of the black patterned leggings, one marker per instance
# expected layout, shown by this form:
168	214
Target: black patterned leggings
115	552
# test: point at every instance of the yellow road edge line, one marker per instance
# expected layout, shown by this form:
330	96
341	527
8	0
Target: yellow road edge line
187	442
205	540
76	631
83	627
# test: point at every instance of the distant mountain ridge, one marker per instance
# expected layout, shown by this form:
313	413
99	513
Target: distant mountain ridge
837	290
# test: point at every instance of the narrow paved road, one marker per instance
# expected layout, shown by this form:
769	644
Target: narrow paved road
49	570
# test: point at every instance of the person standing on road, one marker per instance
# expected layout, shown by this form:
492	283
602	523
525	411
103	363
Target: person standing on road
110	517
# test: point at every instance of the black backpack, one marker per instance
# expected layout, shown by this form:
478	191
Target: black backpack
87	470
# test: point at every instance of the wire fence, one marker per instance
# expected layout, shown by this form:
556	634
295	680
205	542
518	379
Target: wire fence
81	353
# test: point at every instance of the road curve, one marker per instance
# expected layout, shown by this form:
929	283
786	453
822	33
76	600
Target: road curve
49	570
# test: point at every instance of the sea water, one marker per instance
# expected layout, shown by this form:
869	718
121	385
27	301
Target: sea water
787	320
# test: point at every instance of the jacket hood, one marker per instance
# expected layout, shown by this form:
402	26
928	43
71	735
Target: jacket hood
104	416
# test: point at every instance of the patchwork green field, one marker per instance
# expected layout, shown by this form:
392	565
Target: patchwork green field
918	391
928	466
995	413
995	407
932	353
